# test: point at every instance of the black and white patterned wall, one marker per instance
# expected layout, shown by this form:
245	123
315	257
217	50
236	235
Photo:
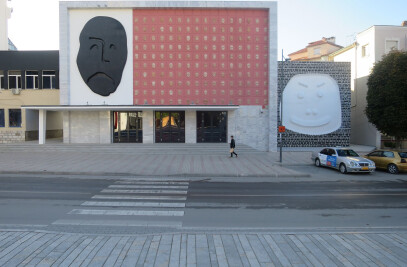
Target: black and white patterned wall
341	73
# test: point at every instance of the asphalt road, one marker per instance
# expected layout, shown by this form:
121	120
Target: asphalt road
123	206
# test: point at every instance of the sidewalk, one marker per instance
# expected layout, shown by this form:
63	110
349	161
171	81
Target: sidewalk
192	160
144	160
23	248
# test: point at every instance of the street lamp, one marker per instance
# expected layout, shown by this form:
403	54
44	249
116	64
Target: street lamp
281	128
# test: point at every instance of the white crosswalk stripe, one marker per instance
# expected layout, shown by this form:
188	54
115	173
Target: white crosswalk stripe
135	197
137	201
133	204
128	212
143	191
150	186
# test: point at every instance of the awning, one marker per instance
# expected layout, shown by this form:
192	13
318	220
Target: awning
129	108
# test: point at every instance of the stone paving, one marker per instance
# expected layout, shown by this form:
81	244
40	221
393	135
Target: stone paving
21	248
41	248
200	160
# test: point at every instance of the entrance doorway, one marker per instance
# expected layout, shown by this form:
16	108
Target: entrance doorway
211	126
170	127
127	127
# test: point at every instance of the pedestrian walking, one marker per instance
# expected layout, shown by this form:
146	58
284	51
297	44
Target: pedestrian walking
232	146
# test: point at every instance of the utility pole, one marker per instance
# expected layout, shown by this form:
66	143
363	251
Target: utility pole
281	107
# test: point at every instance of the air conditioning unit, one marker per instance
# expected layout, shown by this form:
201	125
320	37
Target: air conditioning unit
16	91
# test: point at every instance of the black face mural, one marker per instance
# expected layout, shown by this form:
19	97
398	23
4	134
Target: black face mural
102	54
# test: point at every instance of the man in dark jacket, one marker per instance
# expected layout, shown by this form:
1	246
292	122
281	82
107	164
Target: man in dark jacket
232	147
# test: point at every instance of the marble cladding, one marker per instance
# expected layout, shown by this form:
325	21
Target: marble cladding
148	126
190	126
87	127
340	72
249	126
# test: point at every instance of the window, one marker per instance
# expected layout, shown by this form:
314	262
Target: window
388	154
1	80
1	117
31	80
365	50
375	154
14	116
317	51
48	80
391	45
347	153
14	79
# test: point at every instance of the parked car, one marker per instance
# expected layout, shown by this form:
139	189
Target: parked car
390	160
343	159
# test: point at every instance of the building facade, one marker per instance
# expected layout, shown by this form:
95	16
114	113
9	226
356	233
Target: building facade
185	72
369	48
179	71
316	51
28	78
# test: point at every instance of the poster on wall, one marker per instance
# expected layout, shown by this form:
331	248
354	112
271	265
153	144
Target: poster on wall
312	104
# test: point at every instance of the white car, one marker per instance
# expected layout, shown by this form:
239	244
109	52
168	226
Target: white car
343	159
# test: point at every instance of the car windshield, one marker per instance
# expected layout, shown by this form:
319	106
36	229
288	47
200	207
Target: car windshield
347	153
403	155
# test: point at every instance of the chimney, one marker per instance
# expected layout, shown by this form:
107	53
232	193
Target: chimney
404	23
330	39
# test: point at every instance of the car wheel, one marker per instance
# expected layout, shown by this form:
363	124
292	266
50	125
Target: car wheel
317	163
392	169
342	168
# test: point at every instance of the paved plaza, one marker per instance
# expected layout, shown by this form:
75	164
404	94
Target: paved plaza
22	248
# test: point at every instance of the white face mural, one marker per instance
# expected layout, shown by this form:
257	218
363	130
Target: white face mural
311	104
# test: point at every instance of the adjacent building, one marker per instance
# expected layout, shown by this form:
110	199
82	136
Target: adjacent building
316	51
28	78
369	48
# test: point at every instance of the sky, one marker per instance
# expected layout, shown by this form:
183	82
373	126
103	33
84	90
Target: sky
34	23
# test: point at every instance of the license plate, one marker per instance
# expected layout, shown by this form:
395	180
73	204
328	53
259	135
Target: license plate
365	168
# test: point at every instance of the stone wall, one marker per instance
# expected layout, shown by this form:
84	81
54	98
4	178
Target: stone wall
11	136
341	73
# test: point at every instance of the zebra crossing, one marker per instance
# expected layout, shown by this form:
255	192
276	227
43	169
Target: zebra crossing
133	203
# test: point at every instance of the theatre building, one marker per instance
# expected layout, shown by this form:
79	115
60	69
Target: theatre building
168	72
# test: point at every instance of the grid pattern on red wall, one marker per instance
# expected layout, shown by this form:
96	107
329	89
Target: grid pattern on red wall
200	56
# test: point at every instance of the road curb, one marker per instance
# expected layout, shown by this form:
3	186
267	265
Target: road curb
183	175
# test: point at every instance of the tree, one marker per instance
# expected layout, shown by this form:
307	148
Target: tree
387	95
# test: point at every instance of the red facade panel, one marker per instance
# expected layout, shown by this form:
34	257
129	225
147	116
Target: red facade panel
200	56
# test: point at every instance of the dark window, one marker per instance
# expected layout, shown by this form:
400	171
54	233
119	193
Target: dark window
331	152
324	151
14	116
1	117
403	155
48	80
375	154
211	126
14	80
1	79
31	78
347	153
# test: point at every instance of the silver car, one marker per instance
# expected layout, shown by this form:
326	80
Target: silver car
343	159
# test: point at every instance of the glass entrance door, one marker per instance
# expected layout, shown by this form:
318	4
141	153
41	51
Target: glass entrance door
127	127
211	126
170	127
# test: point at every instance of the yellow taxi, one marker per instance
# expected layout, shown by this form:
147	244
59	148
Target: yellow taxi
390	160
